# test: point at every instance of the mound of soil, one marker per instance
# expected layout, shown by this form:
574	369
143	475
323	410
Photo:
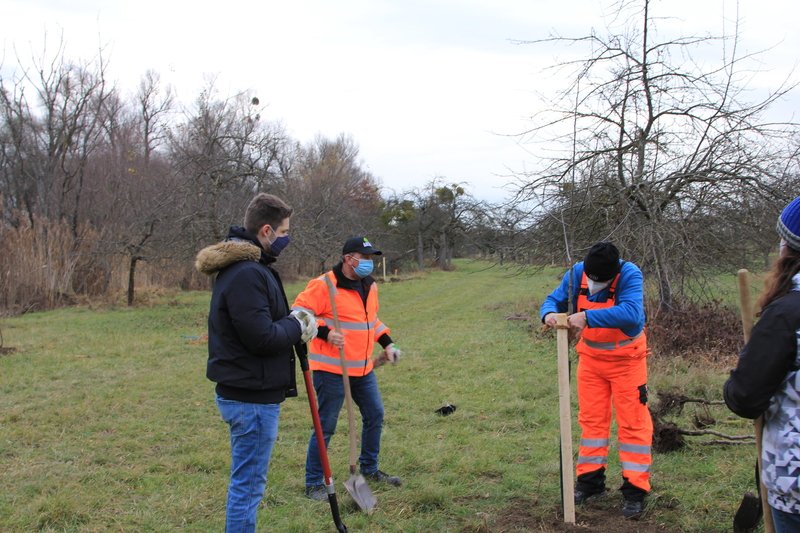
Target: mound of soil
603	515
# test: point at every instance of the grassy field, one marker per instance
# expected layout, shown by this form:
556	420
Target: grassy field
108	422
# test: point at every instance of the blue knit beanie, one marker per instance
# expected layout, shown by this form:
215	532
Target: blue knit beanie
789	224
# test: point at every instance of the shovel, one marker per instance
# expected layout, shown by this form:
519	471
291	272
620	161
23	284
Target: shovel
752	507
356	485
301	351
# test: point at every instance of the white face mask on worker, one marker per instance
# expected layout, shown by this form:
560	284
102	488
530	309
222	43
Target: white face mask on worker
597	286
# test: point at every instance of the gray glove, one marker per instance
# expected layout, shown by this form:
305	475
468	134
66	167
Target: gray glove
308	324
389	355
393	354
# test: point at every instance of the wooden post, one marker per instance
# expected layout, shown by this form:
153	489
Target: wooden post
565	419
746	305
746	308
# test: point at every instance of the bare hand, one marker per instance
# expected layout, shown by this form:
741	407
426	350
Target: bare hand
550	320
577	321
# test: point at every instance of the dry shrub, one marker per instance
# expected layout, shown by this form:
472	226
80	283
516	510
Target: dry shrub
45	265
710	332
40	263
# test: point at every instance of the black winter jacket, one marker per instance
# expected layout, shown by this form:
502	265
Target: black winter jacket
767	359
767	381
250	333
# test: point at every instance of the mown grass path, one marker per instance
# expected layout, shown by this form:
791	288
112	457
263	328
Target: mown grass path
108	423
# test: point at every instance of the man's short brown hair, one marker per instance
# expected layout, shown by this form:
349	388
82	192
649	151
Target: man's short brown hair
265	209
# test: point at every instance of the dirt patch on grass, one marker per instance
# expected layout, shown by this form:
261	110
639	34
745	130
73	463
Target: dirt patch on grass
603	515
7	350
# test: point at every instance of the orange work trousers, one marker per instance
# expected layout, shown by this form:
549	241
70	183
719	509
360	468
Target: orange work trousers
621	382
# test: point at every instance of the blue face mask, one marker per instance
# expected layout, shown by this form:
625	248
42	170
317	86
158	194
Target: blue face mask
278	245
364	268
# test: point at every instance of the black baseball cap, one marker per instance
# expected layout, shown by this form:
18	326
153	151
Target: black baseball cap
602	262
360	245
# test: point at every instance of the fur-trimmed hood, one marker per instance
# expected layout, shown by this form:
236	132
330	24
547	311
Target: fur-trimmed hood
214	258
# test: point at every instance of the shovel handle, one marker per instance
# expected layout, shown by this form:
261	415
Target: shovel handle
746	308
322	449
348	396
745	303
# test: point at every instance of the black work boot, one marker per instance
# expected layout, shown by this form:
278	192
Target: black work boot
633	500
591	485
582	496
632	509
383	477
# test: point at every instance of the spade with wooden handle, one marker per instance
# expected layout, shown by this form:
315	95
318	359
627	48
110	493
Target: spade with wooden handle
356	485
746	518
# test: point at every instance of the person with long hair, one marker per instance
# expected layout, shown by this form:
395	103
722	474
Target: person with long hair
766	380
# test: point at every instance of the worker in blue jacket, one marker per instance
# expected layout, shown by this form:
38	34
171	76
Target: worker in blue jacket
608	316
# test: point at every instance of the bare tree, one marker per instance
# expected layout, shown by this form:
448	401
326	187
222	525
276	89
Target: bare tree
335	198
223	152
438	217
657	150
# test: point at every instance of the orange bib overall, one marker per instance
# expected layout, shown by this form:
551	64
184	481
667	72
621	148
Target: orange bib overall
612	371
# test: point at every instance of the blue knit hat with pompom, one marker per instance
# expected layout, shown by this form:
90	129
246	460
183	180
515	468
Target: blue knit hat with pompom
789	224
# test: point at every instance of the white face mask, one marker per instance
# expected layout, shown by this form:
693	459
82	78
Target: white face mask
597	286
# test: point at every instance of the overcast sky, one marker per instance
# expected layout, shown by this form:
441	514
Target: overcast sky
426	88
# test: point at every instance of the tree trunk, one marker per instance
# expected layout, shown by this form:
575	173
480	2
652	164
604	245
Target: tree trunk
420	252
443	254
664	284
132	279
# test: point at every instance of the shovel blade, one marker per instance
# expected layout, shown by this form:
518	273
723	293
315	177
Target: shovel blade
358	489
748	515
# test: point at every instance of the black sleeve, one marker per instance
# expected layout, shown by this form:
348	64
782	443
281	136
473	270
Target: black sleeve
765	360
385	340
250	307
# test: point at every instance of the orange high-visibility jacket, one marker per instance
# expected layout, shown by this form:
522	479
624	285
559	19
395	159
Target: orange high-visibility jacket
613	368
606	342
358	321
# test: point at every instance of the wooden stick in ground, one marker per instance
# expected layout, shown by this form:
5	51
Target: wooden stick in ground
567	476
746	307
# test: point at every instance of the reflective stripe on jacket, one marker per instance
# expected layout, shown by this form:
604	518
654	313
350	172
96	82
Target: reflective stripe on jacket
604	342
358	321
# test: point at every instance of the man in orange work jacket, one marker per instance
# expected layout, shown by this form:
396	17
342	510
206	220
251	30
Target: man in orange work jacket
612	369
357	307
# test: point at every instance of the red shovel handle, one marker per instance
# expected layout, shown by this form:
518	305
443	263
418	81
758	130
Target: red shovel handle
323	451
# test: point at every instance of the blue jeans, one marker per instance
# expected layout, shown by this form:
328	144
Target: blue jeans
785	522
330	397
254	428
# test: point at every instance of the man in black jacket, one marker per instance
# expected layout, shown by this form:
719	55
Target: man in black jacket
251	335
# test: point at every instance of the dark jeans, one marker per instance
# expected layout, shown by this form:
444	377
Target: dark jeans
330	397
785	522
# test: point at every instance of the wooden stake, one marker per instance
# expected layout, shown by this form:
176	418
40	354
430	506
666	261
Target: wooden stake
746	307
565	419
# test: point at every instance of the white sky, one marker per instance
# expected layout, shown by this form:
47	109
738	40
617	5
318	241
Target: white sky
425	87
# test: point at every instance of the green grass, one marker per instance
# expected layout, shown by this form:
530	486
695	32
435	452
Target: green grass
108	423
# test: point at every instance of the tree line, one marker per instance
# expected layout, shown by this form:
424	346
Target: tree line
668	157
94	184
